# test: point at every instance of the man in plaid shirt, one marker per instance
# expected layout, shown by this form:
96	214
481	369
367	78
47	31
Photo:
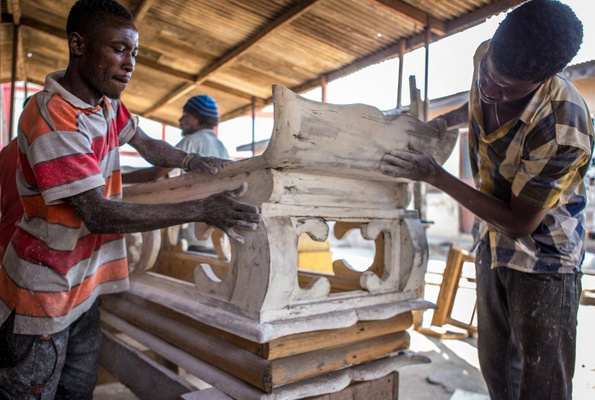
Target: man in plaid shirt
531	140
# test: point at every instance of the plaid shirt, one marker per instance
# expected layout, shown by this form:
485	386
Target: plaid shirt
541	157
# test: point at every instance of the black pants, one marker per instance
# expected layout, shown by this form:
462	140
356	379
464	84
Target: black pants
62	366
526	331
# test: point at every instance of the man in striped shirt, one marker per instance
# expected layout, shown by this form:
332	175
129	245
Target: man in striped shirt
69	246
531	140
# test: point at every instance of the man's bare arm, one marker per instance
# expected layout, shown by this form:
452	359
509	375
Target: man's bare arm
165	157
157	152
220	210
515	219
455	117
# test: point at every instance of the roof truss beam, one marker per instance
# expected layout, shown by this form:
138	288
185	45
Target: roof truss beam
142	10
300	8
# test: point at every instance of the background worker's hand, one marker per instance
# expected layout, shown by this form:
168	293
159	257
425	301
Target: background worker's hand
224	212
210	165
409	164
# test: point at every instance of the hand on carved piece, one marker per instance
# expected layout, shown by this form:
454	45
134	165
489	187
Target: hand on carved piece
441	125
224	212
210	165
409	164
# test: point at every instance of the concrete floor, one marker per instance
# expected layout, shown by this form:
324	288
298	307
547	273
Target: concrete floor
454	371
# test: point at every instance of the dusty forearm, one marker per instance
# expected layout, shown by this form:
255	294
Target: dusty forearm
489	208
162	154
110	216
457	117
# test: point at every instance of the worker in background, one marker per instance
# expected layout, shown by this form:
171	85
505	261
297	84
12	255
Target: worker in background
69	246
200	117
531	139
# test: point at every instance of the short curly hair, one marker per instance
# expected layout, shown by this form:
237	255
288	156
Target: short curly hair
536	40
85	15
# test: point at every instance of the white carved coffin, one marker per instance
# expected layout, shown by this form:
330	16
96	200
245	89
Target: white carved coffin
322	165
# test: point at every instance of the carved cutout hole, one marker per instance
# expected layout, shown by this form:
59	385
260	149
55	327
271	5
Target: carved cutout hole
342	258
178	260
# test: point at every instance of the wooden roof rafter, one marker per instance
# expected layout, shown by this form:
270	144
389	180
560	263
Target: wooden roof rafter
14	8
413	14
286	18
144	61
142	10
453	26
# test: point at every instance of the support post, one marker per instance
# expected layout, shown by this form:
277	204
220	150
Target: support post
253	126
426	75
323	86
13	77
400	79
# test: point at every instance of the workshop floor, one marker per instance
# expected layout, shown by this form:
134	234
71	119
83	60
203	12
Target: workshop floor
454	372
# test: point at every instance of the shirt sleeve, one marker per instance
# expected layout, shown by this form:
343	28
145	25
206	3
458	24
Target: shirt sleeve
126	124
547	172
64	165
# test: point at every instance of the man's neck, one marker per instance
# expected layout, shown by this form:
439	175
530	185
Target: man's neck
73	82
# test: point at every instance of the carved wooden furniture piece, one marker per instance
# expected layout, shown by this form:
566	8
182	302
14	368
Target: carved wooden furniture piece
322	165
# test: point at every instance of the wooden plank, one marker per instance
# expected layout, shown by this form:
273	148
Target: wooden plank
181	265
385	388
142	11
303	366
235	361
450	283
313	360
205	371
114	302
288	17
235	388
313	341
337	284
277	348
145	377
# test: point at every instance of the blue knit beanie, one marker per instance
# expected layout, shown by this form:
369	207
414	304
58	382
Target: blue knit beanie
202	107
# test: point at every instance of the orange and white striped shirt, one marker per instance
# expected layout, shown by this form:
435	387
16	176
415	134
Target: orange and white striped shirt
54	267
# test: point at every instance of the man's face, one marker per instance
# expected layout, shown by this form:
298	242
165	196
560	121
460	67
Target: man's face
188	123
110	56
495	88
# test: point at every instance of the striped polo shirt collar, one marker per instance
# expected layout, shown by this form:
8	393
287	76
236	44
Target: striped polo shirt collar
52	86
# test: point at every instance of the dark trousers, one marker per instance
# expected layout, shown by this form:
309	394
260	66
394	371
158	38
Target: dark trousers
62	366
526	331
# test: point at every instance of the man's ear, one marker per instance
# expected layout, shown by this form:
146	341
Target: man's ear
76	43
